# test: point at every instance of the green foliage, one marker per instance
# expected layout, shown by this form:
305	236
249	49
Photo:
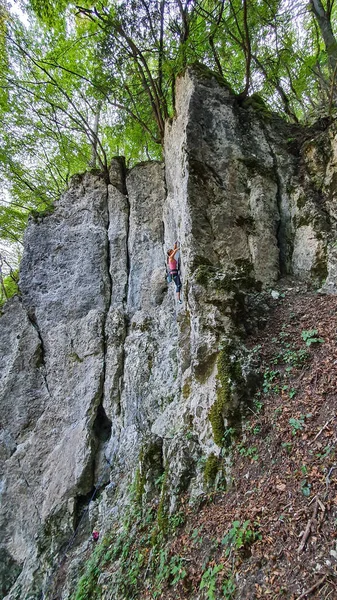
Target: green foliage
228	588
229	375
196	536
296	424
209	581
240	536
305	488
257	403
310	337
287	446
250	452
87	587
269	378
9	287
211	469
177	570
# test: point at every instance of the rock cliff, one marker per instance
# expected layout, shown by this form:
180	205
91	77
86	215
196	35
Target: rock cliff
104	378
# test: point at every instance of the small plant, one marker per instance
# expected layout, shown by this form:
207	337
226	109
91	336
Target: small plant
309	336
295	358
176	569
256	348
287	446
257	403
269	380
239	536
305	488
228	588
163	570
296	424
175	521
250	452
326	451
209	580
228	435
196	537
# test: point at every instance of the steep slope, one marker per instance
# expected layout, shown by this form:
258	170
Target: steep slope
105	381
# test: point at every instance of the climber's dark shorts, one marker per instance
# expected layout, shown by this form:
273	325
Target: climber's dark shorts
177	281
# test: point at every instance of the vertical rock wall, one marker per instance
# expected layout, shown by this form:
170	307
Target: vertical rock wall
102	374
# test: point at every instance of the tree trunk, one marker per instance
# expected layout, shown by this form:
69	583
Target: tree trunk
93	159
324	23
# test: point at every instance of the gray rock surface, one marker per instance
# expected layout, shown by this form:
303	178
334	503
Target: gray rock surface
103	375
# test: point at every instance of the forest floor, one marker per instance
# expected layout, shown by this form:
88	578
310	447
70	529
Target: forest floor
273	532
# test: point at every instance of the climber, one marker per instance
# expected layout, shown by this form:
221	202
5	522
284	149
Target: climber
95	535
174	268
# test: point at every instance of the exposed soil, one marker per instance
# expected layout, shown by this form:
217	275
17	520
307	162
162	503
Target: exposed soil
284	472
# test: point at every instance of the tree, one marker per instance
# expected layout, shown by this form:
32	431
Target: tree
323	17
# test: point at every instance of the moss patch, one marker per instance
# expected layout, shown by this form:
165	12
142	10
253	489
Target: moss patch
206	73
240	277
301	202
229	375
75	358
256	102
212	467
186	391
162	516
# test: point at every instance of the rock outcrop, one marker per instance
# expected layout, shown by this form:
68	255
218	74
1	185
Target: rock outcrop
103	375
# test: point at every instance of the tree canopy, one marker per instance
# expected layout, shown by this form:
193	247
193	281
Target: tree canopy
81	83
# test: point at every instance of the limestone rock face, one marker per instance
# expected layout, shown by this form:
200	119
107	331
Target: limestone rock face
104	378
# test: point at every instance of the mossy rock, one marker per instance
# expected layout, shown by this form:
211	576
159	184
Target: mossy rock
256	102
73	356
301	202
162	516
239	278
212	466
203	72
186	391
304	221
150	467
224	408
319	271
